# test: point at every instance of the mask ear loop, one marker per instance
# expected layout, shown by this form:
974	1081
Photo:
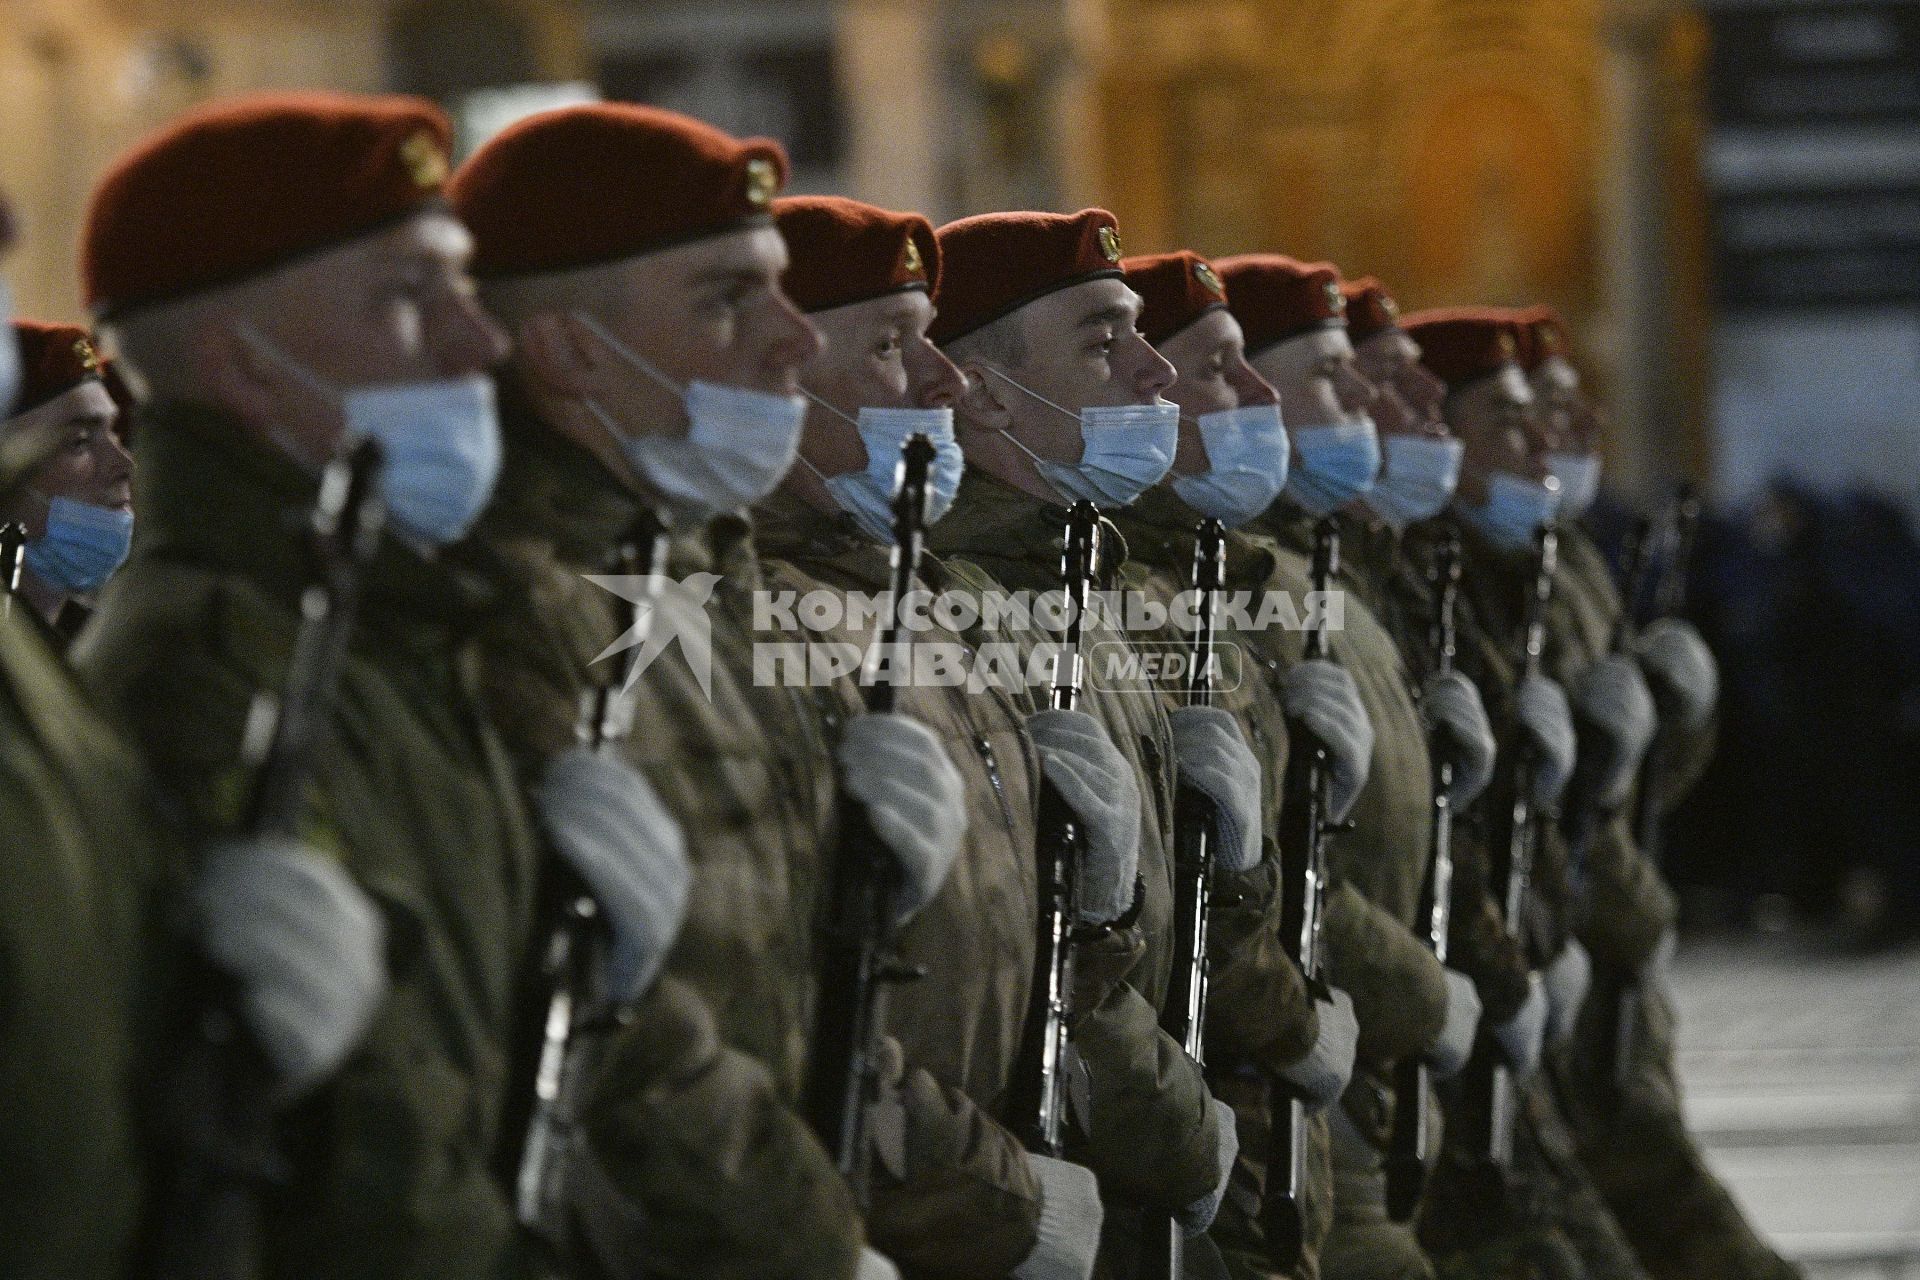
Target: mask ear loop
1019	386
281	359
628	354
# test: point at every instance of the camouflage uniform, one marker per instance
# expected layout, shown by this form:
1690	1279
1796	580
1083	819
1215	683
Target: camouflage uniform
1150	1137
691	1112
413	793
1398	988
1259	1018
1681	1221
1543	1216
82	956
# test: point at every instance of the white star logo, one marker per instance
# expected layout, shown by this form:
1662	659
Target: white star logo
669	609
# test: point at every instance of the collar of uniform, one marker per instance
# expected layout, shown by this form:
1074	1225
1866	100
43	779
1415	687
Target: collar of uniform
1289	525
993	521
208	494
790	528
551	488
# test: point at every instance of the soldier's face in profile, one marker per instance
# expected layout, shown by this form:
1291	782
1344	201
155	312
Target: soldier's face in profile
1390	360
393	307
1083	348
89	464
709	311
876	355
1494	418
1559	404
1210	358
1318	381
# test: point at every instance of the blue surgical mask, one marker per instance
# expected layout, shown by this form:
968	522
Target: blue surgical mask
439	443
1417	480
1246	464
1333	464
10	374
867	495
1579	477
1125	449
739	442
82	546
1514	511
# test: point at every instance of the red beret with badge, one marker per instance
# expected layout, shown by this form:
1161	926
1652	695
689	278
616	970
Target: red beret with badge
1177	288
54	359
593	184
1542	334
1275	297
1371	310
993	264
251	184
842	251
1460	345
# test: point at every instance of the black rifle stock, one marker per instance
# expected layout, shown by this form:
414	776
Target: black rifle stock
218	1117
1584	810
1195	846
1622	990
1410	1153
1497	1108
572	999
13	554
1305	825
857	963
1036	1091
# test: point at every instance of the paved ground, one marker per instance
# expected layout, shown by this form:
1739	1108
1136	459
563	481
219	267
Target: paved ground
1803	1078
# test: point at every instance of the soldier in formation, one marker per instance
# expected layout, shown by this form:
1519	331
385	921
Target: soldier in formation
616	723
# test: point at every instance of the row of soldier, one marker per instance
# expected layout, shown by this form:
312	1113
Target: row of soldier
392	900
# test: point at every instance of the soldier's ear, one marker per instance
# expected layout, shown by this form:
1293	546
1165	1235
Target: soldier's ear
983	404
557	353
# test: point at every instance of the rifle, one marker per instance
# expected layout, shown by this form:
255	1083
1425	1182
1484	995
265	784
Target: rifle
13	555
843	1075
219	1114
1195	843
1410	1154
1492	1078
1036	1091
1583	812
1305	825
572	997
1622	990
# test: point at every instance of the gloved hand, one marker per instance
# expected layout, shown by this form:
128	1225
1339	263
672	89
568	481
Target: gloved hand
306	946
1455	1045
1612	697
1212	756
1098	784
1198	1216
1567	978
896	767
875	1266
610	826
1522	1037
1321	695
1322	1076
1451	707
1070	1217
1654	972
1540	707
1681	669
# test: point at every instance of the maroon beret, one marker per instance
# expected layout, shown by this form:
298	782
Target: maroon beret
54	359
1464	344
248	185
1371	310
993	264
610	180
1275	297
1178	288
1541	334
841	251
